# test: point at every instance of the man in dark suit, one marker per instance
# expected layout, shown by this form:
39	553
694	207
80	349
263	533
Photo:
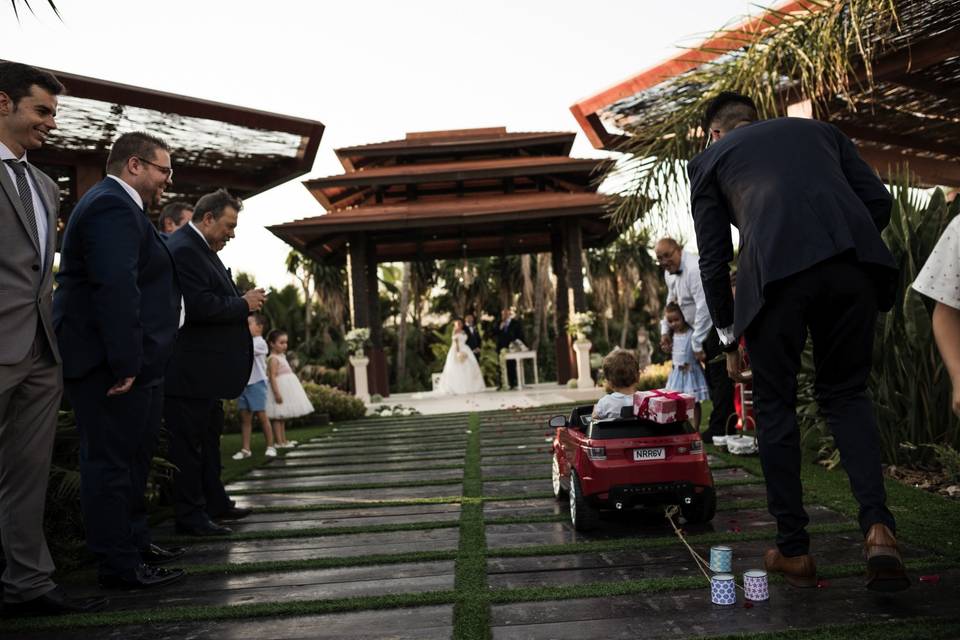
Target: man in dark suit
473	333
173	216
810	212
506	332
211	361
30	386
116	312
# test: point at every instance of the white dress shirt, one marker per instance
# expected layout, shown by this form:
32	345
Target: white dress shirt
39	210
199	233
686	289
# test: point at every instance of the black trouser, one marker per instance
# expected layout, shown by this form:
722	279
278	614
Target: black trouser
118	435
721	386
195	425
837	302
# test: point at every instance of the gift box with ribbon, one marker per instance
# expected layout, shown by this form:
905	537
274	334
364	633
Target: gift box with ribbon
662	406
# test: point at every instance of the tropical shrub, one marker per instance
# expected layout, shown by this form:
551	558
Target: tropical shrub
337	404
908	383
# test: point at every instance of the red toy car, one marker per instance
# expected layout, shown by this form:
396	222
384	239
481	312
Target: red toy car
629	462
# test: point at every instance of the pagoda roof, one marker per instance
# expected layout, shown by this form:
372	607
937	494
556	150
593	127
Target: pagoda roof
455	177
427	146
452	228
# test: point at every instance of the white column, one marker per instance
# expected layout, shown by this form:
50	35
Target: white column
582	347
360	377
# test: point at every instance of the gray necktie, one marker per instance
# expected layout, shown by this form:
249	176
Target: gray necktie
26	196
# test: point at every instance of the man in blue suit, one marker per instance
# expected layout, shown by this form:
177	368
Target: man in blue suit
116	312
810	212
211	361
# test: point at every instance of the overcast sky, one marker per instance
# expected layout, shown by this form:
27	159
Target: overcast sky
370	71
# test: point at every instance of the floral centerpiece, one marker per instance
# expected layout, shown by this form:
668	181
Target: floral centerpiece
356	340
580	324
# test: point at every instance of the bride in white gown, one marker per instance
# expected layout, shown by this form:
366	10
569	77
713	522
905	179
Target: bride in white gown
461	372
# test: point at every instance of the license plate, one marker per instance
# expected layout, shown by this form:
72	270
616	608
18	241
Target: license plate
655	453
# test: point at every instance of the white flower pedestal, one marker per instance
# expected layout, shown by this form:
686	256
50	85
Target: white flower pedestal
582	347
360	377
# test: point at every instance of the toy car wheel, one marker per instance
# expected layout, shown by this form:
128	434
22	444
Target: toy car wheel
582	515
703	507
558	491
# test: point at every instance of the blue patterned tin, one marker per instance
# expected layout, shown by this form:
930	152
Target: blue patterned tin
722	589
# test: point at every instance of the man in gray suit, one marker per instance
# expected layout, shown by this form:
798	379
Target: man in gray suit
30	384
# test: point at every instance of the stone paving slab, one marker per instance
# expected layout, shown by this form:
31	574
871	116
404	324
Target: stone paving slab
373	452
287	586
416	623
516	487
322	470
361	459
458	435
675	561
640	523
686	614
756	491
339	546
311	498
335	518
344	479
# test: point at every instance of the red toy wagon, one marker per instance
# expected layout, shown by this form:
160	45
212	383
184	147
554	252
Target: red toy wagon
627	463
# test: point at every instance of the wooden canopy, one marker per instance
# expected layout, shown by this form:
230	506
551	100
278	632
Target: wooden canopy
213	145
456	194
912	113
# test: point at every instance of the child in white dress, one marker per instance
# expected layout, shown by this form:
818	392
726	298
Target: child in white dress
286	398
687	374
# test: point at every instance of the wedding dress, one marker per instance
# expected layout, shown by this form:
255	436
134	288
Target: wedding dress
461	372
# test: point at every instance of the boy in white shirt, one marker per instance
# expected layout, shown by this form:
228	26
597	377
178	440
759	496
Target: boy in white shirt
253	400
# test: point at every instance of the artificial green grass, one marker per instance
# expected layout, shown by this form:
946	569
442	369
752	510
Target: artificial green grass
471	610
923	519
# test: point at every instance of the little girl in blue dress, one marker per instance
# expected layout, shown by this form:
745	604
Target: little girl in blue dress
687	375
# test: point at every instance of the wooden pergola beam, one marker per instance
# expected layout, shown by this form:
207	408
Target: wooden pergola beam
914	142
927	170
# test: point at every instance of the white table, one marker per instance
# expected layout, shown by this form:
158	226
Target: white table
519	357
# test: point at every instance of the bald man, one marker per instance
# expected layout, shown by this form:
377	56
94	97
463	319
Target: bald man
682	274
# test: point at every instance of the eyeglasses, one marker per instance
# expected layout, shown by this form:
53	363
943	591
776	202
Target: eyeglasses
166	171
663	257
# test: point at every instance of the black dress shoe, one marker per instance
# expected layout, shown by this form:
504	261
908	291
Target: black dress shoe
52	603
143	577
158	555
203	530
233	513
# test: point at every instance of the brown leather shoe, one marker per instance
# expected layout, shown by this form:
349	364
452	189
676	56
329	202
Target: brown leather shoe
885	570
799	571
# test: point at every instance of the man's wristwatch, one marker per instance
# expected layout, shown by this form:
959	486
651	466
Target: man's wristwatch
730	348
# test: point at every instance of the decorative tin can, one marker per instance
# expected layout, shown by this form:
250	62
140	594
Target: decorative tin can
722	589
755	585
721	559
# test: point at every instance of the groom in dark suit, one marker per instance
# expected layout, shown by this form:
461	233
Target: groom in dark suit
212	360
506	332
810	212
116	312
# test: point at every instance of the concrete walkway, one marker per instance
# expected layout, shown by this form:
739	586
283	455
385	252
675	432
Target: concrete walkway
530	397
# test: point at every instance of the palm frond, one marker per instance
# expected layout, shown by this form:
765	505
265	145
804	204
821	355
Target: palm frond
811	53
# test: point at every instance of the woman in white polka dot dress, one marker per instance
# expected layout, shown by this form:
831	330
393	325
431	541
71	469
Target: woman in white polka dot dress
940	279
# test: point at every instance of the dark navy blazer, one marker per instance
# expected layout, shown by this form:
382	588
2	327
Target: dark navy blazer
799	193
117	301
214	351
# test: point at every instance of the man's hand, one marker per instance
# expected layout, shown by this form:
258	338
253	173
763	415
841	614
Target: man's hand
733	366
666	343
701	356
956	399
255	299
121	386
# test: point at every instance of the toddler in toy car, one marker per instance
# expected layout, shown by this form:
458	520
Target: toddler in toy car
622	371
